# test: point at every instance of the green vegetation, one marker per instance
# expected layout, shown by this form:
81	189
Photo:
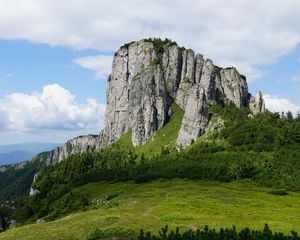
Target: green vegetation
187	204
117	232
16	179
261	150
165	138
267	153
222	234
159	48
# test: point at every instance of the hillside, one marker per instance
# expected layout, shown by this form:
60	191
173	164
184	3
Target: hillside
124	208
16	179
184	144
266	156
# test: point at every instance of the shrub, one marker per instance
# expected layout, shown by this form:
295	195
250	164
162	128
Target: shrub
280	192
222	234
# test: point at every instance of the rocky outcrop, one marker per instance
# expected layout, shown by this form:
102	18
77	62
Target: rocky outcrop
257	104
147	76
137	94
143	85
195	118
76	145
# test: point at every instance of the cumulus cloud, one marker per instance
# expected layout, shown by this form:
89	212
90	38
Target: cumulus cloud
279	104
244	33
101	64
53	108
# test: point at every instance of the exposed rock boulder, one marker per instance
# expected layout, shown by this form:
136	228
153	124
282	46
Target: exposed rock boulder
257	104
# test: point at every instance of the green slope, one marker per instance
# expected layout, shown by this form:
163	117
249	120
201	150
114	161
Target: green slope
184	203
166	136
263	149
163	138
16	179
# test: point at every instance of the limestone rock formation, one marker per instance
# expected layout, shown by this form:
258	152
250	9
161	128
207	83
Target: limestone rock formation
76	145
257	104
147	76
137	95
195	118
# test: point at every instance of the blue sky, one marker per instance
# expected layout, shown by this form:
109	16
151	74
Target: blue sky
27	67
55	57
281	78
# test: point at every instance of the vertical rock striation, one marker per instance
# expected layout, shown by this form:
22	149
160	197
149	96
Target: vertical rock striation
147	76
137	95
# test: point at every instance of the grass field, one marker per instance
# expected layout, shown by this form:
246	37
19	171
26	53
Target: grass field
184	203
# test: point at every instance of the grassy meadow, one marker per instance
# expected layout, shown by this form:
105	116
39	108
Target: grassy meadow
122	209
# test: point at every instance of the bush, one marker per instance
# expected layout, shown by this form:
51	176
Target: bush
280	192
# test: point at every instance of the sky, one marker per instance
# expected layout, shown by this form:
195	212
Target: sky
55	55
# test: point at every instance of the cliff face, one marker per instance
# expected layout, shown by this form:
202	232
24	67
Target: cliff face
146	77
79	144
140	92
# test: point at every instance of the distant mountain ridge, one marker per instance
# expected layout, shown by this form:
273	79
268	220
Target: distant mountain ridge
15	153
33	147
15	157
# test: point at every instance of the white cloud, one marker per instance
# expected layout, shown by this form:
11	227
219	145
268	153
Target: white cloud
54	108
279	104
101	64
247	33
3	120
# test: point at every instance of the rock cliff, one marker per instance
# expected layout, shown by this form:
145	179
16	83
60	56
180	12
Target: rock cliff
79	144
147	76
257	104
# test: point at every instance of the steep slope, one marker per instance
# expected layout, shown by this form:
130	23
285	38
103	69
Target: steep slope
147	77
16	179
